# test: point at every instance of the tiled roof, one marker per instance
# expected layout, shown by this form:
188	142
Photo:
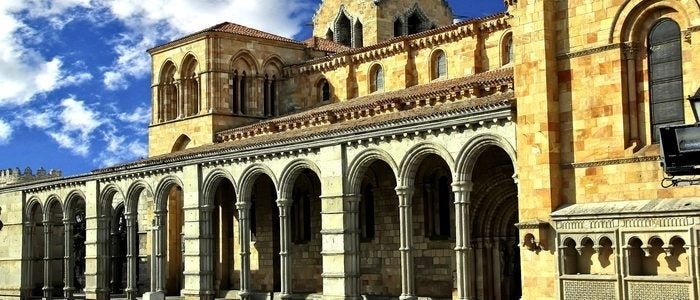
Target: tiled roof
228	27
354	125
322	44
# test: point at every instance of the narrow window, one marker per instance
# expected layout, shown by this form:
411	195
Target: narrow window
398	27
235	108
242	94
439	65
377	79
342	29
507	49
301	217
357	33
436	201
367	227
325	91
665	76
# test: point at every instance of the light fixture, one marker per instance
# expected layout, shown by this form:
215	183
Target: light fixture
695	104
680	149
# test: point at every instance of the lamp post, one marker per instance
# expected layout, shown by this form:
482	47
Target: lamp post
680	146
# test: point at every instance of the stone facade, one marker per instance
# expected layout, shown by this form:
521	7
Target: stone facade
393	155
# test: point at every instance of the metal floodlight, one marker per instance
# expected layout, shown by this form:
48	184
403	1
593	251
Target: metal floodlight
680	149
695	104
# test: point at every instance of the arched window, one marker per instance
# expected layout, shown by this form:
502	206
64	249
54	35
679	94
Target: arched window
342	30
507	49
270	96
167	93
190	85
665	75
324	90
438	65
377	79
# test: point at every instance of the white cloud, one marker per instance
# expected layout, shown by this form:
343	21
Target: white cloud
5	132
140	115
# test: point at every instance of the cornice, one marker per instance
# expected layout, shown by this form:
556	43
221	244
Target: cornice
588	51
609	162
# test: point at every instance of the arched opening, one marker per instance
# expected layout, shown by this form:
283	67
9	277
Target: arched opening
357	35
224	223
264	226
175	263
329	35
665	75
36	250
305	248
324	90
380	271
243	70
118	243
181	143
190	84
54	240
494	213
433	211
376	83
167	93
138	214
507	49
570	256
343	30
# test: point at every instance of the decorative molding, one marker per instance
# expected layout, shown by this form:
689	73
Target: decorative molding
613	223
589	51
619	161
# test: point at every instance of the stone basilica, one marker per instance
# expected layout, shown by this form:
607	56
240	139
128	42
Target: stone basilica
395	154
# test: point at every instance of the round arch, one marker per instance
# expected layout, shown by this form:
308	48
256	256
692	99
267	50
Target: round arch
168	67
273	66
133	192
633	12
360	164
189	62
162	189
32	203
211	182
290	173
246	60
468	156
250	174
106	197
51	201
73	199
411	161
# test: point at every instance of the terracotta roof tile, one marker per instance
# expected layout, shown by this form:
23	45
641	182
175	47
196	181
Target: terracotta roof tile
228	27
325	45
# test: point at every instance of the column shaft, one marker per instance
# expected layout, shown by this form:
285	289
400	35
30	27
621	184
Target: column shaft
463	249
406	248
48	288
285	237
68	260
131	255
244	238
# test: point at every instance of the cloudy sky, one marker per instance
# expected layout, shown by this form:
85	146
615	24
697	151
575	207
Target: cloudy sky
74	74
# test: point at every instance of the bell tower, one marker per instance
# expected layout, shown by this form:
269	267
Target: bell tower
360	23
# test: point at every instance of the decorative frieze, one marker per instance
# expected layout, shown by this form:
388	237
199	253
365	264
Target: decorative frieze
588	51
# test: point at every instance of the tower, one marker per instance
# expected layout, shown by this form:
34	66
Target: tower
362	23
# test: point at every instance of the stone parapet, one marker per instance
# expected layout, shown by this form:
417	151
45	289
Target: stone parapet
13	176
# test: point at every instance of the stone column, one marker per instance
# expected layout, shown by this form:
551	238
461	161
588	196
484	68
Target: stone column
180	98
463	251
244	238
132	245
267	111
158	271
408	289
630	53
68	259
285	241
28	259
199	250
47	289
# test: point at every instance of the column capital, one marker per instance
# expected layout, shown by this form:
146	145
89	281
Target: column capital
404	191
462	186
242	205
283	202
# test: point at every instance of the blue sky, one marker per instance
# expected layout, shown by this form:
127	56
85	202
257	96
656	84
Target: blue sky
75	75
